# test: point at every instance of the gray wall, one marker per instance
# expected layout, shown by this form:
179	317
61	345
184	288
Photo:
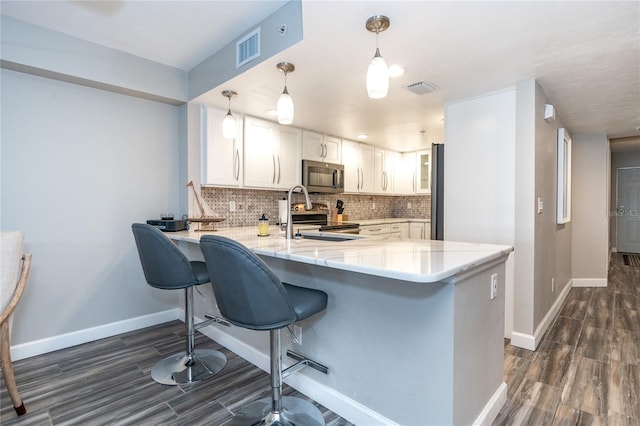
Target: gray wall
590	205
79	165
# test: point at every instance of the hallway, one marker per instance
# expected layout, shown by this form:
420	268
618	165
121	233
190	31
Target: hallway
587	367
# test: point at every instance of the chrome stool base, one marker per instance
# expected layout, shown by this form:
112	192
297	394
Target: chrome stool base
295	412
174	371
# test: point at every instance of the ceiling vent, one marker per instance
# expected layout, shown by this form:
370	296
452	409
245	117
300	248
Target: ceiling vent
422	87
248	48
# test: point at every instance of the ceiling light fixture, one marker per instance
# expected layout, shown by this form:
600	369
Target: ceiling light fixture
378	71
285	103
229	122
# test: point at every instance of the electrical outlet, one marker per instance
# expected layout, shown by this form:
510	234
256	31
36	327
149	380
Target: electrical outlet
553	284
409	204
232	206
297	334
494	286
373	206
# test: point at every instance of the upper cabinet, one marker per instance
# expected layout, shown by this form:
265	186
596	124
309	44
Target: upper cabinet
358	160
221	158
423	170
272	155
318	147
405	173
383	171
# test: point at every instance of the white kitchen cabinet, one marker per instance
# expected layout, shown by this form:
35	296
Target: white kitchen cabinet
318	147
423	172
419	231
376	231
399	230
221	158
383	171
272	155
405	173
358	160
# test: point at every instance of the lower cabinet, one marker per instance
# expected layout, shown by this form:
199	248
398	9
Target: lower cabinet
376	231
400	230
419	231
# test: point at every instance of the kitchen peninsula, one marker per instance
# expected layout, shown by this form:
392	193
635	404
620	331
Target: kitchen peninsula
412	334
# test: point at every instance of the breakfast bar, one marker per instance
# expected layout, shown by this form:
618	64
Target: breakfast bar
413	330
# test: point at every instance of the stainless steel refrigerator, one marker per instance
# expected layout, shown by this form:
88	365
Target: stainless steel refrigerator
437	192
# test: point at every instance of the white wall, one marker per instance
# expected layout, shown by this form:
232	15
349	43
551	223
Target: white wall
79	165
480	175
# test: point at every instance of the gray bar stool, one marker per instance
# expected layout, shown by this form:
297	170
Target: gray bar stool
251	296
167	268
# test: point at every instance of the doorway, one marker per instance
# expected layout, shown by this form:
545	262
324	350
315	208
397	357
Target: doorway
628	210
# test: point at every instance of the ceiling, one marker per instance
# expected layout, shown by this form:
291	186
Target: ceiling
585	55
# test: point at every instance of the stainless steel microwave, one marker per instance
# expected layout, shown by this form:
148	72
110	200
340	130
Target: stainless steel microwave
321	177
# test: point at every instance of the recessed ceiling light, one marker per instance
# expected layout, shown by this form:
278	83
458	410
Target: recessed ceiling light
395	71
362	136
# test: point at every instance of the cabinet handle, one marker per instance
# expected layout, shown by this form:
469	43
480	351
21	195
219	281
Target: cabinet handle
273	178
362	173
413	183
321	151
374	230
278	168
358	179
237	164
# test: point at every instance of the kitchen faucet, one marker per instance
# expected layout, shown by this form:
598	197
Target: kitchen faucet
308	206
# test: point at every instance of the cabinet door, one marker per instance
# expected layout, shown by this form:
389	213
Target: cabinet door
332	150
378	171
404	230
260	162
288	157
416	231
312	146
376	231
221	158
351	167
423	170
365	161
405	173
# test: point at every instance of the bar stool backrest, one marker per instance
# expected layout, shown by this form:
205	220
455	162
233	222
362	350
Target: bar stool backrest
247	292
164	265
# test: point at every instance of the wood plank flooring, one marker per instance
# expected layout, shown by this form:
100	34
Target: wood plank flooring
108	382
585	372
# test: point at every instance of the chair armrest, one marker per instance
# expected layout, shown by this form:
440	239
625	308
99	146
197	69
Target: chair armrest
24	276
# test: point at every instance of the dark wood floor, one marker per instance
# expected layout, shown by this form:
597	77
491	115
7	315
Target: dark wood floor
585	372
108	382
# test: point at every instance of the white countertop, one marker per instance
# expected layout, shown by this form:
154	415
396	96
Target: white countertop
421	261
381	221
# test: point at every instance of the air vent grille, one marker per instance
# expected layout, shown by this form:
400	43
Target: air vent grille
248	48
422	87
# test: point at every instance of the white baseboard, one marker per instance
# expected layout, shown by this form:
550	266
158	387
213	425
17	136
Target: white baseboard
493	407
337	402
589	282
531	342
62	341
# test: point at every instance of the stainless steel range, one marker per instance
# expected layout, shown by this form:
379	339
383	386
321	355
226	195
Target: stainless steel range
318	215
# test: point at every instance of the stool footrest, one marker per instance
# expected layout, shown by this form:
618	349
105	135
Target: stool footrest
211	319
302	362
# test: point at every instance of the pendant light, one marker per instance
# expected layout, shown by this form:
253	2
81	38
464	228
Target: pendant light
285	103
378	71
229	122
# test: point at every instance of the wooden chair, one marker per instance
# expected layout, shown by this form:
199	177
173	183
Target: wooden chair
14	270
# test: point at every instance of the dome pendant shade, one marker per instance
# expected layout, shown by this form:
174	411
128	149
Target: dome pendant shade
285	108
377	77
229	126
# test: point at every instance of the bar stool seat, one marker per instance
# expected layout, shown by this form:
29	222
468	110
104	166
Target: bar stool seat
251	296
166	267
